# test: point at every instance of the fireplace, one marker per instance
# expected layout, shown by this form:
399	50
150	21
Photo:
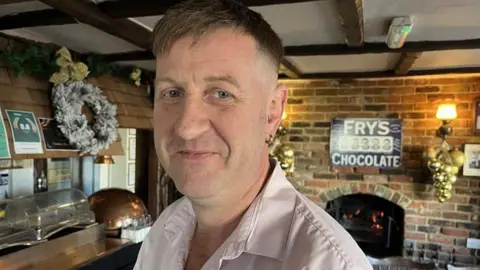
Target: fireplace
375	223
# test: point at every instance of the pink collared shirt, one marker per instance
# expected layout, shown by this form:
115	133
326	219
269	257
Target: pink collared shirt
281	230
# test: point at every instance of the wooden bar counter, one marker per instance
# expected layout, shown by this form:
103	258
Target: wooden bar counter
85	249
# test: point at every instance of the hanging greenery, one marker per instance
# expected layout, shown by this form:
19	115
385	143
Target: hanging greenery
38	60
29	59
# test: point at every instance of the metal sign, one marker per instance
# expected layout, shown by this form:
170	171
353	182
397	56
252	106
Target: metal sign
375	142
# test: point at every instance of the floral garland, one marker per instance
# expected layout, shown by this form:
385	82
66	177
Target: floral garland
69	95
35	59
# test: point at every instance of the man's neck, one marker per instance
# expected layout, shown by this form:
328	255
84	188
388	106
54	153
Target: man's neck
216	223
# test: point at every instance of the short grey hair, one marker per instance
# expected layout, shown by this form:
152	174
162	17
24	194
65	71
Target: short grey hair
199	17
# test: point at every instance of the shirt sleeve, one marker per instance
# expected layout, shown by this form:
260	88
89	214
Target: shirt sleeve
138	263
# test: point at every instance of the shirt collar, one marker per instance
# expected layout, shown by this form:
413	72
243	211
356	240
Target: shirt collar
181	223
274	217
263	229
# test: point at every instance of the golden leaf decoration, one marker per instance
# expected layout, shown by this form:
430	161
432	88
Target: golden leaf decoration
63	62
69	70
65	70
80	72
136	73
136	76
59	78
65	53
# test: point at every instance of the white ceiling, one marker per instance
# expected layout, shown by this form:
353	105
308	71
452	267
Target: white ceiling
433	19
79	37
308	23
345	63
448	59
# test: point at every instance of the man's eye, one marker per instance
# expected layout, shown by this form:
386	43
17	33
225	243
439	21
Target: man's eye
222	94
173	93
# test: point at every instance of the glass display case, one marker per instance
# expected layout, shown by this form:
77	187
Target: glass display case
33	219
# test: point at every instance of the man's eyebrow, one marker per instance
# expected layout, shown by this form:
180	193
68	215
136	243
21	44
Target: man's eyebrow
164	80
226	78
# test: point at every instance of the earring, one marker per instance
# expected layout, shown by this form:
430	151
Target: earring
270	139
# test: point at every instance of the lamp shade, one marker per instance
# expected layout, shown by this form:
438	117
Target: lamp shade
104	159
447	111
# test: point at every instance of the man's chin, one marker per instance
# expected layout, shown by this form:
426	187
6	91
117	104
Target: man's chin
200	186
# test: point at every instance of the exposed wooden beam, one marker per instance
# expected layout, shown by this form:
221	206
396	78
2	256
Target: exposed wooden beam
405	62
390	73
5	2
120	9
290	69
287	67
89	13
350	13
340	49
129	56
35	18
408	47
128	8
348	75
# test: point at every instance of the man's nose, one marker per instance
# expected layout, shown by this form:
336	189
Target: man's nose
193	120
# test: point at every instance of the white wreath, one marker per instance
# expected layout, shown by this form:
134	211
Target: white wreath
68	100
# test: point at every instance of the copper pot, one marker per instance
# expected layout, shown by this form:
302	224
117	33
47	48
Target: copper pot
119	208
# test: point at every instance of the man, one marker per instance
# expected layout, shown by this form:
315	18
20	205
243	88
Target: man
217	106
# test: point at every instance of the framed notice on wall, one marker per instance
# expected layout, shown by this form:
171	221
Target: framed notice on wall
131	174
4	150
26	134
476	116
471	167
52	136
375	142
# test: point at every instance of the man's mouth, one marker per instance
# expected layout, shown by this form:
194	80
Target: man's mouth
195	155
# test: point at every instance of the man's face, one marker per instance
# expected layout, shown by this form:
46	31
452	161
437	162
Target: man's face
210	115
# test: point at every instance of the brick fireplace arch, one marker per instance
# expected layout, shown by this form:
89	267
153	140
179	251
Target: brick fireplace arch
373	214
363	188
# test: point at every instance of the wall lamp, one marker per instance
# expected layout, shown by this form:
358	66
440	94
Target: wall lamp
445	161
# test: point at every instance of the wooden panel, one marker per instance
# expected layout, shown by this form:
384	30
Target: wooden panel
115	149
134	122
40	97
123	98
130	99
38	110
4	78
15	94
147	178
28	82
144	112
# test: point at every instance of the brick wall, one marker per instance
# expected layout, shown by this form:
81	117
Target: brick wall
429	225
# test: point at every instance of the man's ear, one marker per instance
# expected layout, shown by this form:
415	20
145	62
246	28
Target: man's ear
276	108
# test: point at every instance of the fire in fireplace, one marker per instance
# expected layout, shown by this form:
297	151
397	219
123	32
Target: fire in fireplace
375	223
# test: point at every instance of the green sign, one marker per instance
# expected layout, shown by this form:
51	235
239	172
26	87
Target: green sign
26	134
4	151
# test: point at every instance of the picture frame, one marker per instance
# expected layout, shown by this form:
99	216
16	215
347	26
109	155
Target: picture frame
131	174
471	167
476	116
132	150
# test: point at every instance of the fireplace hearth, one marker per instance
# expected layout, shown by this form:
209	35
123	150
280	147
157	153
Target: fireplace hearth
375	223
